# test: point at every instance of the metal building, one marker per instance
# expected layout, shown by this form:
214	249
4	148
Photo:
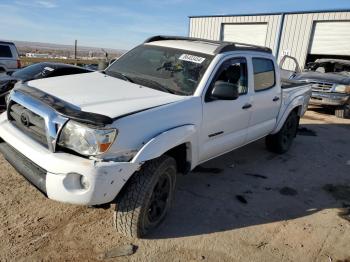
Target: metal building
304	35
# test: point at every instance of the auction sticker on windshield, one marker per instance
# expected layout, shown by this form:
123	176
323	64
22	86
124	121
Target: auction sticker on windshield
192	58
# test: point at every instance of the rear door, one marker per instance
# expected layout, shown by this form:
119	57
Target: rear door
225	122
266	98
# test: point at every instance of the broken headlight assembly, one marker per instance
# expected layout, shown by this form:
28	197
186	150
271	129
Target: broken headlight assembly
342	89
86	140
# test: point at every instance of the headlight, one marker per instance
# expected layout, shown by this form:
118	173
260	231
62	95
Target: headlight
342	88
86	140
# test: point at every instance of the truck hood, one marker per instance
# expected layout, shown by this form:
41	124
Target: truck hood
323	77
102	94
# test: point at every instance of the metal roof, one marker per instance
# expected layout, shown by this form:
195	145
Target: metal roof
277	13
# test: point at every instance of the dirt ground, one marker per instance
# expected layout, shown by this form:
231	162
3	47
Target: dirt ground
248	205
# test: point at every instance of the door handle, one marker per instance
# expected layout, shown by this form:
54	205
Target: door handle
246	106
276	98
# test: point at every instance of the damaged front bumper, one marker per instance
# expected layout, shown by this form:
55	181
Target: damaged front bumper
331	99
59	175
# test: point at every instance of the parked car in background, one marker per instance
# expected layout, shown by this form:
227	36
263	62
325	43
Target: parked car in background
122	135
35	71
330	79
9	59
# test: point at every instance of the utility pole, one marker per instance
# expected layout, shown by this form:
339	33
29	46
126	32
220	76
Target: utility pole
75	49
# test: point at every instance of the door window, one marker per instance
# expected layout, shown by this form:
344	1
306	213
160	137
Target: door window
233	71
264	74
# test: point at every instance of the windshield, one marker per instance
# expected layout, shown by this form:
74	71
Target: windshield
32	71
166	69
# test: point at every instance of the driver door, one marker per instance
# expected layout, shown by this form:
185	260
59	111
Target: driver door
225	122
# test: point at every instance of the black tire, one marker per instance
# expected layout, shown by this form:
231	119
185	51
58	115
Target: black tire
343	111
146	198
281	142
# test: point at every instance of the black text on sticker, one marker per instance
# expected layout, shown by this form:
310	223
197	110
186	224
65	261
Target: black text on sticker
192	58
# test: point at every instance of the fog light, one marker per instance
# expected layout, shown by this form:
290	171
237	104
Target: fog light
84	182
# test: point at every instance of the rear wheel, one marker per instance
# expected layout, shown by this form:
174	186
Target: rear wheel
343	111
282	141
147	197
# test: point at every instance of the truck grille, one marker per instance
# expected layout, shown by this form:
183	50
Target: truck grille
321	87
29	122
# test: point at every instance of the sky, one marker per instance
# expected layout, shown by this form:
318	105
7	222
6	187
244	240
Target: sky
124	24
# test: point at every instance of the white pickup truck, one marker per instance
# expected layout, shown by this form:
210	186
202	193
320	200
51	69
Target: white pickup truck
122	135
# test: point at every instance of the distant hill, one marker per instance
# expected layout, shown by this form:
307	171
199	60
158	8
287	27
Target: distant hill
50	46
37	47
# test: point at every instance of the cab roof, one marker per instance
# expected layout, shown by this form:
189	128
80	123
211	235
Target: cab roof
203	45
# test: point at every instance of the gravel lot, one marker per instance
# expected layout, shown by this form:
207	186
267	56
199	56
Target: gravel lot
248	205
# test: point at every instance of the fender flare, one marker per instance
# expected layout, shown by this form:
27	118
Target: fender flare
165	141
298	102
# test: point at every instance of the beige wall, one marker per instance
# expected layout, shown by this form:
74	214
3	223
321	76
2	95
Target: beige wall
297	32
295	37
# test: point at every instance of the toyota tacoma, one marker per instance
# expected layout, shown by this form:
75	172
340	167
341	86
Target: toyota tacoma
122	135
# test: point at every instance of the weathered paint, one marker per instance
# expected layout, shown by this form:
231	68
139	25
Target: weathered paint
211	27
297	33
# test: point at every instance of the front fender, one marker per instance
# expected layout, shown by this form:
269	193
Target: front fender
165	141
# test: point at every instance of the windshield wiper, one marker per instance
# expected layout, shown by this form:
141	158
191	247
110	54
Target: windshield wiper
154	84
157	85
118	75
148	82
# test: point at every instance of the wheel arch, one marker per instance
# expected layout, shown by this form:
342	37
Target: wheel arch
182	156
3	68
178	142
297	105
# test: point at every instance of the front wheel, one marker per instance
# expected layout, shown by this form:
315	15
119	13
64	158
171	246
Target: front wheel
146	198
282	141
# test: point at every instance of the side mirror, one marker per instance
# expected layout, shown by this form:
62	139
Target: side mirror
224	91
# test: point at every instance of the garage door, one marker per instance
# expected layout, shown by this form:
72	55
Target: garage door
245	33
331	38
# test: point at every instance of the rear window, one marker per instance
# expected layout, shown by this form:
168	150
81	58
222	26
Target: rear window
5	51
264	74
